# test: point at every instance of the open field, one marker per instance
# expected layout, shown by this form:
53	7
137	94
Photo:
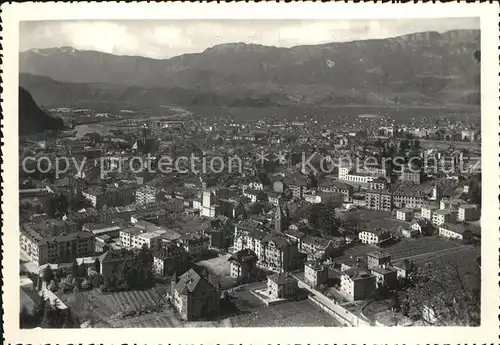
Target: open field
103	306
408	248
464	259
290	314
463	255
108	311
411	249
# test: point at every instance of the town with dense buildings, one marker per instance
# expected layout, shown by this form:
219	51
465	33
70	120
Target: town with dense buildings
194	246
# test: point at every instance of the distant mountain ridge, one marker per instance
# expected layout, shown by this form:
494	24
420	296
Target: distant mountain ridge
427	67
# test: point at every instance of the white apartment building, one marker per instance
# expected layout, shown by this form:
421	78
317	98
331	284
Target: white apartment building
427	211
343	172
374	236
359	178
404	214
137	238
195	244
62	248
146	194
444	216
453	231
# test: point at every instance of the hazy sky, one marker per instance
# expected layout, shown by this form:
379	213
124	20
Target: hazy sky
167	38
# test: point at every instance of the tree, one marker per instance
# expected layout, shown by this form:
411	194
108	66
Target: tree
255	208
97	265
314	215
39	311
59	273
405	308
76	288
383	290
322	217
48	316
109	283
144	262
53	286
351	221
475	190
477	56
67	283
86	284
452	295
75	271
83	271
262	196
66	319
79	202
25	318
47	274
95	278
56	206
396	302
131	276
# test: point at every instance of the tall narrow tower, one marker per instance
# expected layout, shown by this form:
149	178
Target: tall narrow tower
280	220
436	192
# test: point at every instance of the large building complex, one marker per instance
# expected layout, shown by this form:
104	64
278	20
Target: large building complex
41	248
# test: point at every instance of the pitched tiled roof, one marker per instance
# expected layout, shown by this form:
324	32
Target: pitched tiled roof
244	255
190	281
280	241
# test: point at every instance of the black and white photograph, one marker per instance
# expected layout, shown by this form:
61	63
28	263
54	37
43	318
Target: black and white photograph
222	173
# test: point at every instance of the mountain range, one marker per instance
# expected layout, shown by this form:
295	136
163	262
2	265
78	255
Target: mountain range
421	68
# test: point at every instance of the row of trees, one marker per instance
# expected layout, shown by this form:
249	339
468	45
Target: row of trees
322	217
137	274
80	278
58	205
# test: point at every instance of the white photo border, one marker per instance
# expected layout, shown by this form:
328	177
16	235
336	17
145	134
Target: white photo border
488	332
